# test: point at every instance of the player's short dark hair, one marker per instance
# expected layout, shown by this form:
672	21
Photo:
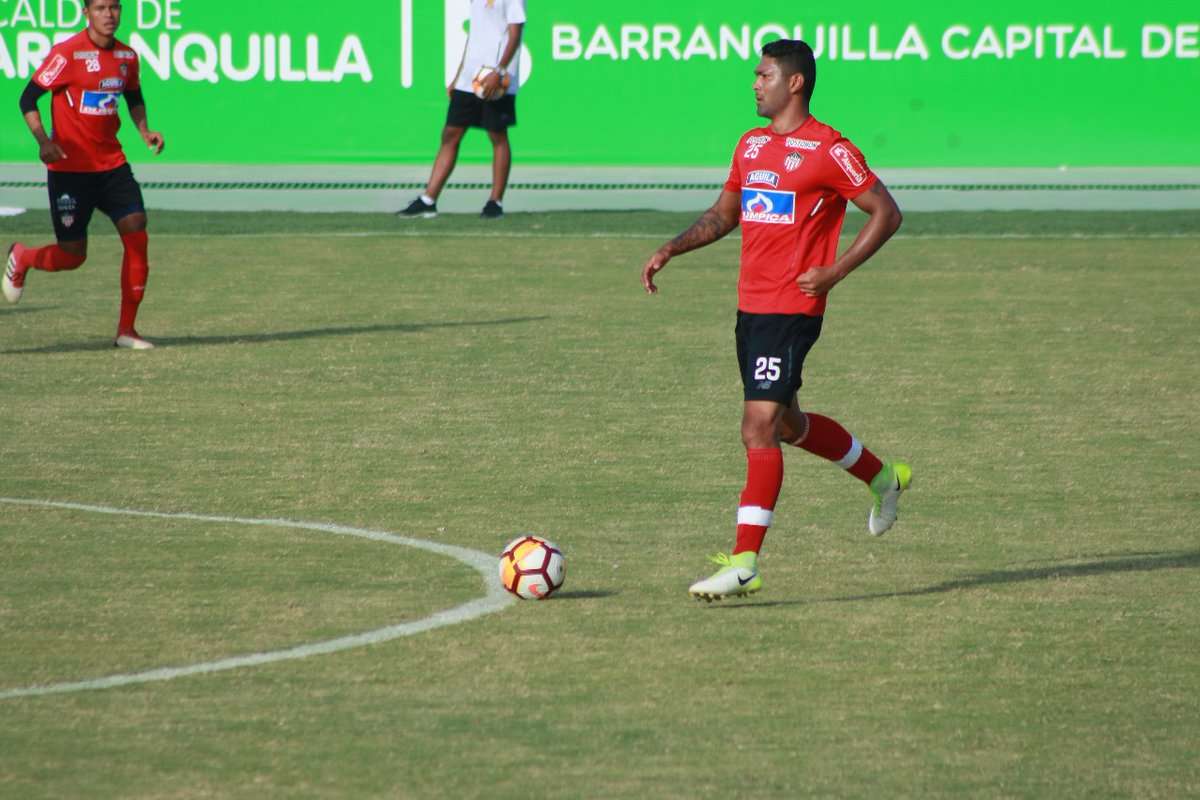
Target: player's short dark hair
795	56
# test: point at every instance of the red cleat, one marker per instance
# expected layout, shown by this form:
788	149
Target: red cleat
14	275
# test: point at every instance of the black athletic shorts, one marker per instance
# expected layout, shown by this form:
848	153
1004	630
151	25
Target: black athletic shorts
75	195
771	350
468	111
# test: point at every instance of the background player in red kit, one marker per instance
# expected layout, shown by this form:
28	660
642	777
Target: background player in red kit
788	188
87	75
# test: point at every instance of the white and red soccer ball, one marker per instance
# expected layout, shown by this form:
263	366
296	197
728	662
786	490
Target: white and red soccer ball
532	568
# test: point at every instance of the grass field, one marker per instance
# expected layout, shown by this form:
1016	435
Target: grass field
1028	629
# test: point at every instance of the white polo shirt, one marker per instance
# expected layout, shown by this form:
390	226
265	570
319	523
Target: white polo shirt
487	39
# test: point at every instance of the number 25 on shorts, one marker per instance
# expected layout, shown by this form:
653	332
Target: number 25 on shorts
767	369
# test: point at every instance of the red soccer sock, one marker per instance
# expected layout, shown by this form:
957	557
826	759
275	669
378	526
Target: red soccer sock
764	477
134	270
829	440
50	258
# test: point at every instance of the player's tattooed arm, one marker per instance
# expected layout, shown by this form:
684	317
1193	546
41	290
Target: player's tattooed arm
711	226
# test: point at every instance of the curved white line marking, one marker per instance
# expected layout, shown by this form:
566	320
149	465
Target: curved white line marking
494	600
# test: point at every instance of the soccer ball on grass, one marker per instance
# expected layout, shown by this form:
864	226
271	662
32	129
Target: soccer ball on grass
532	568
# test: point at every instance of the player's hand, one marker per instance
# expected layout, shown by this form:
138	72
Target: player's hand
818	280
652	268
49	152
154	141
490	83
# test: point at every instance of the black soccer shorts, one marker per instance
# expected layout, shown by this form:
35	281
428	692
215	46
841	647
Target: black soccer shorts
468	111
771	349
75	195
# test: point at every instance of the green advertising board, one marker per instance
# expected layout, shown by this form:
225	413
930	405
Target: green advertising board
627	82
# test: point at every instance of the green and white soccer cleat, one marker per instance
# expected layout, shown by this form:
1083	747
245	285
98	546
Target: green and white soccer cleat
894	478
737	577
130	340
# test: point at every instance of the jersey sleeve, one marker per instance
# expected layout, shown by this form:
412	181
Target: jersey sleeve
514	12
134	79
54	72
734	182
845	169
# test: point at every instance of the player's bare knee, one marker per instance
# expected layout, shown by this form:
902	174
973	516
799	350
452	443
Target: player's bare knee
759	432
794	428
76	252
131	223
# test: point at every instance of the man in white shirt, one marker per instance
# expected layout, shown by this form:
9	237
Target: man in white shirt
490	69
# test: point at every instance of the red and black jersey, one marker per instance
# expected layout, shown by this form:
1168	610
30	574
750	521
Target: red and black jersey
87	82
794	187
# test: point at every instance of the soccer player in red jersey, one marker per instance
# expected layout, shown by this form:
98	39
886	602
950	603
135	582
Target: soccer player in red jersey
788	187
86	168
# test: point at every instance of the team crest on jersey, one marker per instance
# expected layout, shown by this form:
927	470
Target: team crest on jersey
764	176
51	70
99	104
772	208
793	162
849	163
124	69
802	144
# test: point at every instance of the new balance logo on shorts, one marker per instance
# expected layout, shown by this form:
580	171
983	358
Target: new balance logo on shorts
773	208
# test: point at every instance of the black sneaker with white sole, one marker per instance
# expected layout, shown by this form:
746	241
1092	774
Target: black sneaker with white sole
418	209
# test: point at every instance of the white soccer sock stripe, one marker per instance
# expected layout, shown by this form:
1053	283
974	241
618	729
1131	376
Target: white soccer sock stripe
851	458
755	515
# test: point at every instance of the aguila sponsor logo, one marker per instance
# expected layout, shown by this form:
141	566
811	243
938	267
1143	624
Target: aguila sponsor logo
802	144
849	163
764	176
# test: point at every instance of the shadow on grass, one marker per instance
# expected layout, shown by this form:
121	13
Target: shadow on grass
276	336
1116	564
584	594
26	310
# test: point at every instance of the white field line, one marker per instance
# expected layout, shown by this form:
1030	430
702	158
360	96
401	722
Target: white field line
658	236
494	599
